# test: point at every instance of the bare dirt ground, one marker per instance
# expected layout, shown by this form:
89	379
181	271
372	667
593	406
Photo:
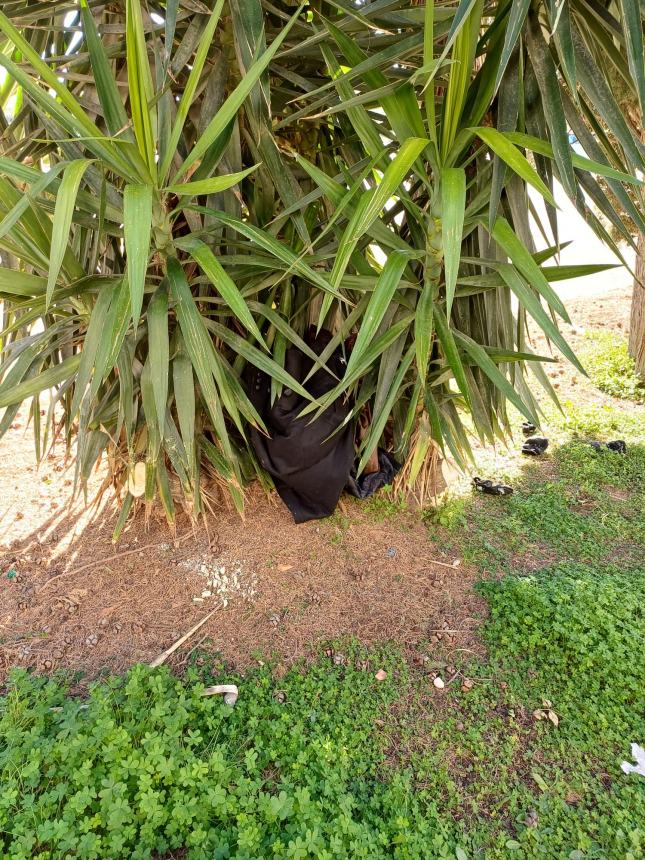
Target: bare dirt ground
69	598
608	311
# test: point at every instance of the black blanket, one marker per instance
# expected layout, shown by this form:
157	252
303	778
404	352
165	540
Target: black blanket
309	463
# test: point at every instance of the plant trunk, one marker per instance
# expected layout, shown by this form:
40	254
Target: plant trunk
637	320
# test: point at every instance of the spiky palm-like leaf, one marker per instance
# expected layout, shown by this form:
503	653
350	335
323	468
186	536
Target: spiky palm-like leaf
186	186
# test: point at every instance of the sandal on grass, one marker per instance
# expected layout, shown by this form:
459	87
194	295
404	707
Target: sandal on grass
483	485
535	446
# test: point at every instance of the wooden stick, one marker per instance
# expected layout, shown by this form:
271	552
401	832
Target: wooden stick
455	564
158	661
110	558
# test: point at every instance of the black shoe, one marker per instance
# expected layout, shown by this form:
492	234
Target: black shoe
535	446
618	446
528	429
491	489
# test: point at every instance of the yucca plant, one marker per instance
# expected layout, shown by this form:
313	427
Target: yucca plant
187	186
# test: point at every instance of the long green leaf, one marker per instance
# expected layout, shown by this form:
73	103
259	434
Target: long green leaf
235	100
453	205
264	240
378	346
140	85
225	286
446	338
257	358
188	94
486	364
15	283
532	304
506	238
159	350
54	375
633	28
212	185
40	185
380	301
65	202
548	83
200	349
372	203
423	328
592	78
93	336
116	118
378	425
543	147
516	18
502	147
184	390
137	224
198	343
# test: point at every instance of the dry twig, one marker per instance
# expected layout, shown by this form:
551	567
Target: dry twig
110	558
158	661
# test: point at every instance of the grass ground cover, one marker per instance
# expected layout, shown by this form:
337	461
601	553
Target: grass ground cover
518	756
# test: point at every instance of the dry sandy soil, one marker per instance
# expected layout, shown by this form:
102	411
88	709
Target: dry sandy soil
70	598
608	311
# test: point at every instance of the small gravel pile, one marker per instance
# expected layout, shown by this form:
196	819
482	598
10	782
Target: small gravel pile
224	578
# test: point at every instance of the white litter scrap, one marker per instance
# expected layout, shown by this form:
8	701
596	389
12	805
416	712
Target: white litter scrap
225	579
229	691
638	754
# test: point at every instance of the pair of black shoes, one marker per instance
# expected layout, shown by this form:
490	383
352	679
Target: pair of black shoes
617	446
536	445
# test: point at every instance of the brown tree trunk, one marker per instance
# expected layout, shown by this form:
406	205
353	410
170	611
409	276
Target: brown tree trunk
637	320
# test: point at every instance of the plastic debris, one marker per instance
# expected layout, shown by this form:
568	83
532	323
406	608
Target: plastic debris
638	754
229	691
535	446
12	574
484	485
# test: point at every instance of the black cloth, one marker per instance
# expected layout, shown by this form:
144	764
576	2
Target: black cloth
369	482
309	469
